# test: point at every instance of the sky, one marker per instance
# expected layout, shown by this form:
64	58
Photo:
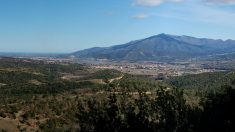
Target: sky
63	26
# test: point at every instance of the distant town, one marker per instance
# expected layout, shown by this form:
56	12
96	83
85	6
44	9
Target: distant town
156	70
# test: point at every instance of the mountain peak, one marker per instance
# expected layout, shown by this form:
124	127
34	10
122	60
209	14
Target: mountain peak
163	35
160	47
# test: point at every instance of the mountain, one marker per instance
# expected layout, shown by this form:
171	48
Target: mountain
160	47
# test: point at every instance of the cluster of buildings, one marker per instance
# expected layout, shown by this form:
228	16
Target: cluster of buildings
159	70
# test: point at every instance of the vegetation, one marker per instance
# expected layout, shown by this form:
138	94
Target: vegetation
38	96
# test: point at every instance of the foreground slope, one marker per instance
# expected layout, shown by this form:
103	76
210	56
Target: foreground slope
41	96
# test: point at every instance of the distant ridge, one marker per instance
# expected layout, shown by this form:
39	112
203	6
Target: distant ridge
160	47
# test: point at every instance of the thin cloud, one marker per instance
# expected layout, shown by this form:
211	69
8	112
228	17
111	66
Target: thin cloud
141	16
152	3
200	13
149	3
223	2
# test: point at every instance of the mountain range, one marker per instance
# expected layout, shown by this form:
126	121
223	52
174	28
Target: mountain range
160	47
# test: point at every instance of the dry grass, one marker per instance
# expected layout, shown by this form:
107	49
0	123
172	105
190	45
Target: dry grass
71	77
35	82
8	124
3	84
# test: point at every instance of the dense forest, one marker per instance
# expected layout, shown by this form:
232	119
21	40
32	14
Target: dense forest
40	96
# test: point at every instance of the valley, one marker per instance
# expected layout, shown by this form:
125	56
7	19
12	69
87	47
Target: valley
156	69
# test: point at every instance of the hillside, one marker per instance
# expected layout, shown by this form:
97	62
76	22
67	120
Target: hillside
40	96
160	47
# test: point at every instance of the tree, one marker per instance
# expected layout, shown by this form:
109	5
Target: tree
219	111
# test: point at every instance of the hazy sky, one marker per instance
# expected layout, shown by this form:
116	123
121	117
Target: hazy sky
71	25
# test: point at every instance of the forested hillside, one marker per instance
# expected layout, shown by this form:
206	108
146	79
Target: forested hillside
40	96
